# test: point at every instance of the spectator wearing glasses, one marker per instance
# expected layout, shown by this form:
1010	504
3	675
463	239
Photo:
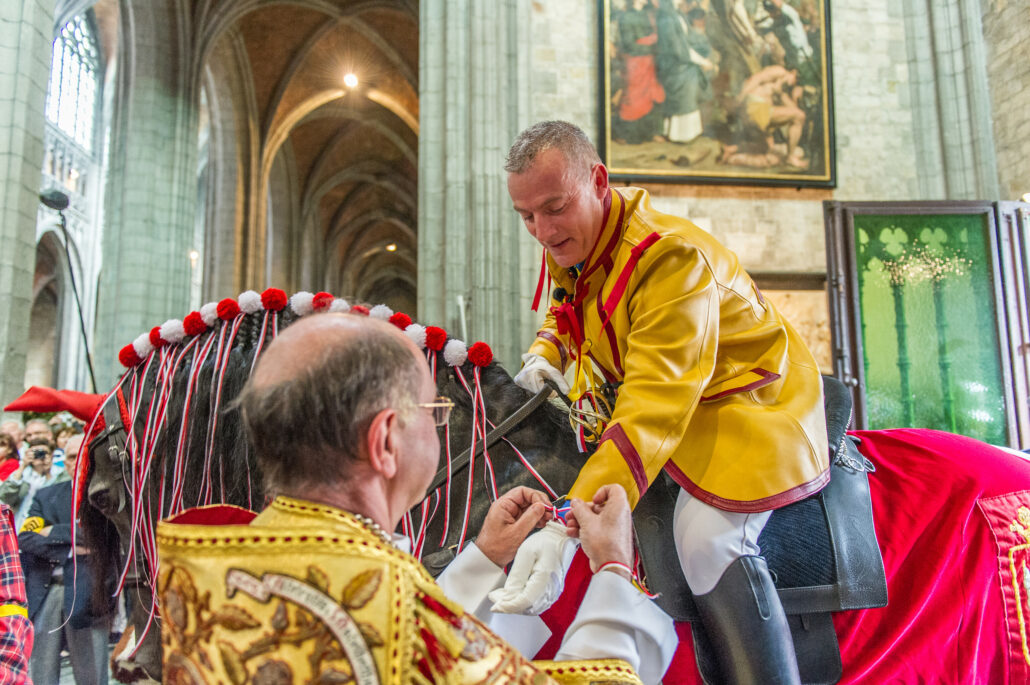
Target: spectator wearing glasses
37	472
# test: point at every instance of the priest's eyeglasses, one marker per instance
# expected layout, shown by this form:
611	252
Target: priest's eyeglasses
441	408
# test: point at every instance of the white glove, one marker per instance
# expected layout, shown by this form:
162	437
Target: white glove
537	574
535	370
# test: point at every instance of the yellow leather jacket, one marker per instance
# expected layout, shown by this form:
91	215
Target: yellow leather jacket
305	592
717	388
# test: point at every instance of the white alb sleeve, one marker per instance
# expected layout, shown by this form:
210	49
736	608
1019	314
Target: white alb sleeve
617	621
469	578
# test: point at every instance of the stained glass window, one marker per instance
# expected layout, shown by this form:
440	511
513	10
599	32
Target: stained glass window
929	324
72	98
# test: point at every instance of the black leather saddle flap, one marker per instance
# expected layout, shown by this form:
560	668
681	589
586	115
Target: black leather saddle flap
821	551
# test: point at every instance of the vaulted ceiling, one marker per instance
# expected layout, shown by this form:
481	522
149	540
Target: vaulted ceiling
324	172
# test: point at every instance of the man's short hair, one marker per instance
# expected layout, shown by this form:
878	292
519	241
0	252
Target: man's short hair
310	428
574	144
41	442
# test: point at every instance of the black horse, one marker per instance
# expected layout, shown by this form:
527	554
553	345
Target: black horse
172	438
169	437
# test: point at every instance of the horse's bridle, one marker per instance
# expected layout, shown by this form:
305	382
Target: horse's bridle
463	459
115	435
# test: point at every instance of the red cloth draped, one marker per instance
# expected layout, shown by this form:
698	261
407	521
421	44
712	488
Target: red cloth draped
944	507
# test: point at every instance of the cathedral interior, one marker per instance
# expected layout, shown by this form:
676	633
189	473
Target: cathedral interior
208	147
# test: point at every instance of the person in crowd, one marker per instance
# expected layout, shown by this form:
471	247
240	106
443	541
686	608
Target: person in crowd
9	459
38	428
37	472
15	430
710	385
15	627
60	584
343	414
64	433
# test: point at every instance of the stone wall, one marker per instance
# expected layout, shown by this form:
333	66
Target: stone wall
771	229
25	40
1008	69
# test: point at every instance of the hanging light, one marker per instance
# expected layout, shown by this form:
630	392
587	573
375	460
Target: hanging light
350	80
392	247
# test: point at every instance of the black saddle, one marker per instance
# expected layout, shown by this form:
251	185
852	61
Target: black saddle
821	551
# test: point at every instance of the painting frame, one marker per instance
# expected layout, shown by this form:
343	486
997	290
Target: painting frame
746	123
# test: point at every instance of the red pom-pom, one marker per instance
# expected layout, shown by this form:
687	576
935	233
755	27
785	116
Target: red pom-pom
228	309
128	356
400	320
155	337
480	354
194	324
359	309
322	300
436	338
274	299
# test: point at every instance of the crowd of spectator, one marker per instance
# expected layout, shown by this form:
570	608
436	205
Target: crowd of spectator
55	588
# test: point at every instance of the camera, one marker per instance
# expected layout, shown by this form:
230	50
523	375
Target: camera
40	454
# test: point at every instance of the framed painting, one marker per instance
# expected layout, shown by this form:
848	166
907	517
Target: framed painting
716	91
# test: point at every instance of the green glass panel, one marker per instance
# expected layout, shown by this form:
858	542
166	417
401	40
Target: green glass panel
929	330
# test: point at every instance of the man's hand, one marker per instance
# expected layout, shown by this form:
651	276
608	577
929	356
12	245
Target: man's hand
604	527
45	531
510	519
535	370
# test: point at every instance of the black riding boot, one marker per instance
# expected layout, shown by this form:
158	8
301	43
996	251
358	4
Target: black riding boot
747	627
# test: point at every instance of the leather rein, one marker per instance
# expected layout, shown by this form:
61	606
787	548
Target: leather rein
462	460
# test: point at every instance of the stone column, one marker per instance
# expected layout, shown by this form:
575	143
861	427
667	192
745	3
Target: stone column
951	100
472	101
151	191
26	40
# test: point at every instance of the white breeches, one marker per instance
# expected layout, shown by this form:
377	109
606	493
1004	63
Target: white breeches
709	539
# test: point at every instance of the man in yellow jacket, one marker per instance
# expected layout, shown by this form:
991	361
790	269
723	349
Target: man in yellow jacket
713	386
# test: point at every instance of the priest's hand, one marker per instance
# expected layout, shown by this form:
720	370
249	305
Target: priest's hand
536	370
510	519
604	526
538	573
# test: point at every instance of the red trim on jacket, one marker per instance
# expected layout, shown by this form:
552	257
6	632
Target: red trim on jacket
617	434
612	242
553	339
782	499
609	329
767	378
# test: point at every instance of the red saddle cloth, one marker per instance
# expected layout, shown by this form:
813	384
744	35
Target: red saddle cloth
952	518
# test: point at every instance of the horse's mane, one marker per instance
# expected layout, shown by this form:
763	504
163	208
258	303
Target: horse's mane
200	451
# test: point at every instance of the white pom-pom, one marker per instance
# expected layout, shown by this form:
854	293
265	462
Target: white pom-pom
301	303
142	345
250	302
209	313
455	352
417	335
380	311
340	305
172	331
